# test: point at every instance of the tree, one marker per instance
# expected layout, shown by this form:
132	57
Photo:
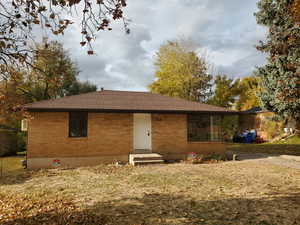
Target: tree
11	97
280	77
79	87
249	89
181	73
295	10
52	75
53	72
18	18
226	91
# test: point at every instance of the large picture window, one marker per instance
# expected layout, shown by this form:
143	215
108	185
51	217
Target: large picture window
78	124
204	127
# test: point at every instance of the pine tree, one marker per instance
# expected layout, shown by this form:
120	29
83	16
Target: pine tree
281	75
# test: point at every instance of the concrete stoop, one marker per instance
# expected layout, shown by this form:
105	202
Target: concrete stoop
144	159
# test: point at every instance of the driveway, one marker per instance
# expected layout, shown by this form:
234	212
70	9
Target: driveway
289	161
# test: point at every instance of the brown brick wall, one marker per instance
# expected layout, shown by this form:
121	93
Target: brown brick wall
108	134
169	137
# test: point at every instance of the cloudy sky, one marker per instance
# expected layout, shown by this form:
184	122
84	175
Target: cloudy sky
225	30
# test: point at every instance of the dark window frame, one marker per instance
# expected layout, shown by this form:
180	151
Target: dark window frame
78	124
194	118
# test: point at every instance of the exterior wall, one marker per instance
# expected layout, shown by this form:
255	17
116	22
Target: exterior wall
169	138
110	138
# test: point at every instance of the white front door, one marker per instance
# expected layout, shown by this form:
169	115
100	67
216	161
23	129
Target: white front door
142	131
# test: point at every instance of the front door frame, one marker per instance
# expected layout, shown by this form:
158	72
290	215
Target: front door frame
148	133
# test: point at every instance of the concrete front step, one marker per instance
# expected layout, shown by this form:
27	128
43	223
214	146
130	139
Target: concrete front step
146	162
149	158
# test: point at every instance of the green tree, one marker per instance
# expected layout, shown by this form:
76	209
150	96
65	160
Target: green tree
181	73
53	72
52	75
249	89
79	87
280	77
226	91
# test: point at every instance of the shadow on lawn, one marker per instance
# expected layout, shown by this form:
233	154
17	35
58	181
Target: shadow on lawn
10	178
170	209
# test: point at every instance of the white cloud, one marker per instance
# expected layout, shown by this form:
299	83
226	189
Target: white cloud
226	29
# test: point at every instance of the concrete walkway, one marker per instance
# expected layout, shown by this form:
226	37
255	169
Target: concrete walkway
281	160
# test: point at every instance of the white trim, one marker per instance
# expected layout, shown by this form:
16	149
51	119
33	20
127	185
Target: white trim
24	125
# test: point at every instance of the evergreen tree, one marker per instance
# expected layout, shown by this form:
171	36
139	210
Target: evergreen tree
281	75
80	87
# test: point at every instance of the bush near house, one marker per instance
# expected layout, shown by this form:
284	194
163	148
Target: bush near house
8	142
12	142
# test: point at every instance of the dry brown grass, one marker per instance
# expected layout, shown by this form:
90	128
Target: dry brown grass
250	192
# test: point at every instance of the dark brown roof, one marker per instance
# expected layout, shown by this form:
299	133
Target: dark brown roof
255	110
123	101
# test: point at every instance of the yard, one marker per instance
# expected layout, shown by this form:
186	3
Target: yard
290	146
246	192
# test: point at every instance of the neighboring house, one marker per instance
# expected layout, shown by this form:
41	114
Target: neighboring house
251	118
263	122
108	126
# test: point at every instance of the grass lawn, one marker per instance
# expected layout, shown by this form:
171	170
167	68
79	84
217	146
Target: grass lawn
290	146
11	166
294	140
248	192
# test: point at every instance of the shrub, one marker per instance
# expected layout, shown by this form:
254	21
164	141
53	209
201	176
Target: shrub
8	140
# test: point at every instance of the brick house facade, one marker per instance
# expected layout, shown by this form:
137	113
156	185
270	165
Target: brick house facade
111	131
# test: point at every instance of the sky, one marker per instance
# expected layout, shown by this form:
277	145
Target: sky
225	31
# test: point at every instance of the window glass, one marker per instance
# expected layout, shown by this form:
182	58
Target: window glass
204	127
78	124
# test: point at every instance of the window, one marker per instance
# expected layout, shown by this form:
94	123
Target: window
78	124
204	127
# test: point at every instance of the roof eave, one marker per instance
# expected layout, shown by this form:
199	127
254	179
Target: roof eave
128	110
